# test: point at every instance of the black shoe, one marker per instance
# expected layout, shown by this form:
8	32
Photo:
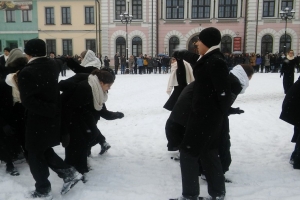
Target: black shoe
71	180
222	197
104	147
10	168
35	194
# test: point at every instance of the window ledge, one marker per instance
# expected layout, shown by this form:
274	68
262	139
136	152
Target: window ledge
49	24
66	24
270	20
89	24
174	21
27	22
10	22
226	20
203	20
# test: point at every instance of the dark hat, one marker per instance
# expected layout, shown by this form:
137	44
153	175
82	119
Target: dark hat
210	37
35	48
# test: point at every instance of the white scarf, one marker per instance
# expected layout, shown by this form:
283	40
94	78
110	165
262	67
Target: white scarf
15	90
90	60
240	73
173	78
209	50
289	57
99	96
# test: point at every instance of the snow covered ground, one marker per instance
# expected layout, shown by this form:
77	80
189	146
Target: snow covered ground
138	166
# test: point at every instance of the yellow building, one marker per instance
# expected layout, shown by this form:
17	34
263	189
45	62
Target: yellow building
69	26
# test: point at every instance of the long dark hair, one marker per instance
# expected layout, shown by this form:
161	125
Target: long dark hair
103	76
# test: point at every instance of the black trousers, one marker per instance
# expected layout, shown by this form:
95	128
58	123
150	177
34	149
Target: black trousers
116	69
39	163
213	171
296	153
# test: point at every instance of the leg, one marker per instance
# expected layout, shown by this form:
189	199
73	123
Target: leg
189	175
214	173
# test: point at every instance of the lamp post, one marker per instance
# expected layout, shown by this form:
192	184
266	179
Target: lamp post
126	19
286	15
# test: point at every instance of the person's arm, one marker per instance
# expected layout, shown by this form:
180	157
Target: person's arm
109	115
75	66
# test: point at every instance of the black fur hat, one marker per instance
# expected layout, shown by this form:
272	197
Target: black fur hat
210	37
35	48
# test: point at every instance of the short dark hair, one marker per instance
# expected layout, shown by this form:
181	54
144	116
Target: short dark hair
52	52
248	69
104	76
6	49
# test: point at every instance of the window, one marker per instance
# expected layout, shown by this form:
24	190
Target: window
66	15
200	9
175	9
226	44
287	3
266	44
67	47
173	44
227	8
137	45
89	15
137	9
282	43
10	16
27	15
121	46
51	46
49	15
268	8
192	44
90	44
120	7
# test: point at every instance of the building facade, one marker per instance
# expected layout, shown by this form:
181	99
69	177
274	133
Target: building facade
18	23
69	27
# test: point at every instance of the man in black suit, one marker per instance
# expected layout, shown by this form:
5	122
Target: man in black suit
3	60
39	92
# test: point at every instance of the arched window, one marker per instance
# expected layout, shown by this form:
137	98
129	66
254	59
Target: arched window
121	46
137	46
226	44
173	44
266	44
288	43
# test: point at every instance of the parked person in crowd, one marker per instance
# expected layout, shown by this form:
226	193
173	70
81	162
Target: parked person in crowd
159	65
3	60
164	64
150	65
106	61
155	64
140	63
12	113
131	64
181	75
272	63
145	64
298	61
39	92
258	62
211	100
14	54
277	62
80	105
100	58
117	62
291	114
123	64
287	71
253	60
266	64
247	59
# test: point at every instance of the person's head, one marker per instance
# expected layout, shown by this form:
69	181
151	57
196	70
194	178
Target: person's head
6	51
208	38
105	78
291	53
173	60
13	55
35	48
105	57
248	69
82	55
52	54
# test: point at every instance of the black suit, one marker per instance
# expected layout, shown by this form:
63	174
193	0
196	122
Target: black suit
39	91
2	67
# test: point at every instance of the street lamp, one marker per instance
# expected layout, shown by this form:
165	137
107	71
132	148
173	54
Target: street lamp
126	19
286	15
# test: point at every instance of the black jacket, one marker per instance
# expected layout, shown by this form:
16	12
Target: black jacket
211	100
39	91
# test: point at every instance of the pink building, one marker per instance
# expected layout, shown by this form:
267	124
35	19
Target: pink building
159	26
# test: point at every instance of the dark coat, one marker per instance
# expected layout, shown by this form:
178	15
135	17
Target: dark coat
181	79
77	68
39	91
288	69
211	100
290	107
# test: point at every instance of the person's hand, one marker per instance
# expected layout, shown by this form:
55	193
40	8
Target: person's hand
65	140
119	115
235	111
8	130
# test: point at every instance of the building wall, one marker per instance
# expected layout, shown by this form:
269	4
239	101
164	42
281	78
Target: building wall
17	32
77	31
